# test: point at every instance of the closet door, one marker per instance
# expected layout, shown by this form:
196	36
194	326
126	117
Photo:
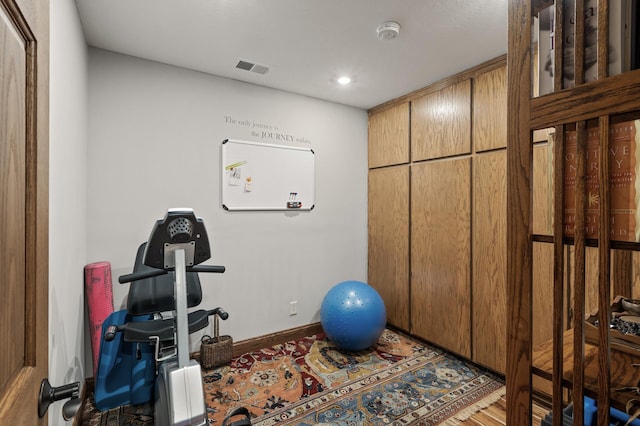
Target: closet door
440	253
389	240
441	123
490	110
389	136
489	259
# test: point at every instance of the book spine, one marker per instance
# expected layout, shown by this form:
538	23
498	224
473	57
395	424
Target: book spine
623	181
624	185
592	214
569	183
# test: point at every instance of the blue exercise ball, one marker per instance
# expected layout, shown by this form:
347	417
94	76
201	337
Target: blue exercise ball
353	315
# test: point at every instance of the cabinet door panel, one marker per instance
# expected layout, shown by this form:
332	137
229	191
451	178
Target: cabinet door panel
542	189
490	110
389	240
440	253
389	136
441	123
489	259
542	293
542	300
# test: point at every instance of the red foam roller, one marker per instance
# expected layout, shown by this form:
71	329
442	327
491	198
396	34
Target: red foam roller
99	292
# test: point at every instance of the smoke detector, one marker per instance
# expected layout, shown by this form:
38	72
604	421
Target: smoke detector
388	30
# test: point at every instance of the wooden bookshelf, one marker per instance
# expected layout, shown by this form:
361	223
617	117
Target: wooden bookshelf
623	372
567	361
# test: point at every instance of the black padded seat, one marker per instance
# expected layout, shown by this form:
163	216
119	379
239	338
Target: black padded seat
142	331
153	295
156	295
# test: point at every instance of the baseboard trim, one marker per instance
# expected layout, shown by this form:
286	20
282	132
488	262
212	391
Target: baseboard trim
268	340
261	342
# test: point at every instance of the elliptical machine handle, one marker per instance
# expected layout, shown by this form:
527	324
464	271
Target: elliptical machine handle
135	276
220	312
207	268
110	333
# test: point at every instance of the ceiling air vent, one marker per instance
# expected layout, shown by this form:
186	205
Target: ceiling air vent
250	66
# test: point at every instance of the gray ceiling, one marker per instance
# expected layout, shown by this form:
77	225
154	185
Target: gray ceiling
306	44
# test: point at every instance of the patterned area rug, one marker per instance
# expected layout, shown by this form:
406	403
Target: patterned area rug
310	382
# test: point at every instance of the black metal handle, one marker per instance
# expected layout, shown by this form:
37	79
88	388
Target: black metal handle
49	394
207	268
110	334
220	312
135	276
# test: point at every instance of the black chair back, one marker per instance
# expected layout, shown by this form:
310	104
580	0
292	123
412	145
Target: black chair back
152	295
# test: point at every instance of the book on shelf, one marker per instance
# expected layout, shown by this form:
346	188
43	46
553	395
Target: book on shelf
623	21
631	46
544	32
624	182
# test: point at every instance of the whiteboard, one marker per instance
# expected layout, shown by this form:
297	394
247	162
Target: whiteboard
258	176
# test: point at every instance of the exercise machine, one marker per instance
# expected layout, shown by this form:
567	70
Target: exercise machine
150	340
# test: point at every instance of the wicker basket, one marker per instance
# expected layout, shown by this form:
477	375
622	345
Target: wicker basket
215	351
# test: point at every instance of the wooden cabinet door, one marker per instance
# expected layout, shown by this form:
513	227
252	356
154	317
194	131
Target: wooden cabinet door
440	253
441	123
542	189
389	240
389	136
489	259
542	304
542	291
24	130
490	110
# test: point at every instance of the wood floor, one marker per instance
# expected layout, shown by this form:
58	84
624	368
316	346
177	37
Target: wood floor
495	415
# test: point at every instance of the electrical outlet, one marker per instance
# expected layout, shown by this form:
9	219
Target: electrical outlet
293	307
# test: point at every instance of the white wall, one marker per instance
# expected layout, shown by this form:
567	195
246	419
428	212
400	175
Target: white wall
154	143
67	199
148	138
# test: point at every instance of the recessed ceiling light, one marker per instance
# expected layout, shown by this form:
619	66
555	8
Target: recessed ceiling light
344	80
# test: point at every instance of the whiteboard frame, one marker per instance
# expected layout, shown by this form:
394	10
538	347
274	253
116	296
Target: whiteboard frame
282	178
